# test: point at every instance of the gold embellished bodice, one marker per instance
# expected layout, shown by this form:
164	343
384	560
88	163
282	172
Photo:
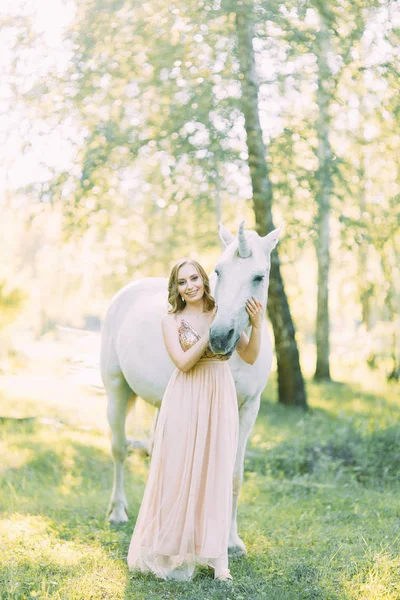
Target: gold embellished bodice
188	336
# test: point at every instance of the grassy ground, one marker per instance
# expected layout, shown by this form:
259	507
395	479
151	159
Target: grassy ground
319	508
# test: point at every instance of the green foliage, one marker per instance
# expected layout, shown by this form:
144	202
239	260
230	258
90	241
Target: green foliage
11	303
151	120
147	99
372	459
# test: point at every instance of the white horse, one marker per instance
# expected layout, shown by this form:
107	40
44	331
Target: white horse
134	361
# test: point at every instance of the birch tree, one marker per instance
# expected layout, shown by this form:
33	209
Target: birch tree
290	380
323	197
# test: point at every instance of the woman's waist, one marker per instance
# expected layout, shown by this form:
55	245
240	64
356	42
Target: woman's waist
222	360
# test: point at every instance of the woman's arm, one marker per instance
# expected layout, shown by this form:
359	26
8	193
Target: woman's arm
183	360
249	349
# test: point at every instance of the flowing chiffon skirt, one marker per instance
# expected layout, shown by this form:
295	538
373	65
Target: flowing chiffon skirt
185	515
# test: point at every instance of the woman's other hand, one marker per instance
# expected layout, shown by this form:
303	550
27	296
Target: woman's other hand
254	309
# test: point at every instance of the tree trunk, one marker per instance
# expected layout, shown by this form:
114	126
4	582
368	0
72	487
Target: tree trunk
323	199
290	380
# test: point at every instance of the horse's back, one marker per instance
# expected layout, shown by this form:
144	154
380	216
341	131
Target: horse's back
132	338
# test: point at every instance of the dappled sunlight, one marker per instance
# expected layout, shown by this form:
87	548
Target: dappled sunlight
349	365
130	131
49	395
345	401
313	529
258	441
357	402
302	510
58	466
106	575
250	490
46	390
378	579
256	541
67	468
18	526
71	481
17	457
32	542
347	434
36	541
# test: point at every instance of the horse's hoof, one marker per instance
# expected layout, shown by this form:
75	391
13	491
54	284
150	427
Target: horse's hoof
238	549
117	520
224	576
143	446
118	516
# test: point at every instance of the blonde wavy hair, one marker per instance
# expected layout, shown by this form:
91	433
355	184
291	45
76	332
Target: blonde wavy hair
174	298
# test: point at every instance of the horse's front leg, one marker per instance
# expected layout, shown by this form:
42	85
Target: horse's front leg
120	400
247	416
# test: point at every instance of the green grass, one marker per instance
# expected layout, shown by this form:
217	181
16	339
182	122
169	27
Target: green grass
319	508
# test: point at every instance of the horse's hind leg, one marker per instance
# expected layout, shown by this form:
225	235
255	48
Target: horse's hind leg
120	400
145	445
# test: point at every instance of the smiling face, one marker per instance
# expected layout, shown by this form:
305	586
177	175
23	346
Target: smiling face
190	284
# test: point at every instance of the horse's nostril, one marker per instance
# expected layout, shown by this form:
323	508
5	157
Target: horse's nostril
230	334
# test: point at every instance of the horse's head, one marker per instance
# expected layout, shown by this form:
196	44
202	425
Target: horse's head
241	272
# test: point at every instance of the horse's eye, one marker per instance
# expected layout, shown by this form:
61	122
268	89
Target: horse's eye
258	278
216	271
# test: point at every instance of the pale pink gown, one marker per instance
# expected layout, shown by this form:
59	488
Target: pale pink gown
185	515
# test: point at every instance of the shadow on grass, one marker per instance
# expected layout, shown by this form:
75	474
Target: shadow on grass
66	481
345	428
250	581
69	483
335	398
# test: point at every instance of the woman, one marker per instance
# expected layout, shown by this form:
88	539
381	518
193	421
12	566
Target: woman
185	515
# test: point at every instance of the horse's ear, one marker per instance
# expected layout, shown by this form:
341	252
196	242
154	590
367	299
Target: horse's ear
271	240
226	236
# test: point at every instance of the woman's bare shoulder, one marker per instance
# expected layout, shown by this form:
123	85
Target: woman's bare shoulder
169	323
168	318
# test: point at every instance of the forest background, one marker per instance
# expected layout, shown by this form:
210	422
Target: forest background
128	131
